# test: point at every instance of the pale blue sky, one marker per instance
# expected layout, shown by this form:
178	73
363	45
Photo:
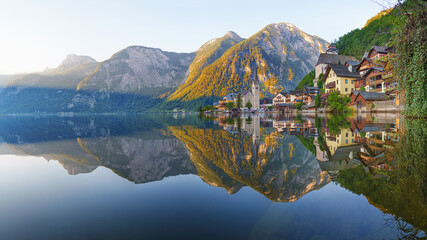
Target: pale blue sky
39	34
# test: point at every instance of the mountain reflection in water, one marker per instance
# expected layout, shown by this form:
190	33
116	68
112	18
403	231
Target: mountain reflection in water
281	157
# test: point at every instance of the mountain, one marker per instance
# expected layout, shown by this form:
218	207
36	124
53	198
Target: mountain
139	70
5	79
279	167
207	54
282	54
67	75
139	78
141	157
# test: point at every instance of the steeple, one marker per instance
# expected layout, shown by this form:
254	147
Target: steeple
255	89
332	49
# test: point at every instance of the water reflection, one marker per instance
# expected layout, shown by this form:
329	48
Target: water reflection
282	157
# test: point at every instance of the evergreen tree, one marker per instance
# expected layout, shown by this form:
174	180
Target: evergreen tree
320	82
317	101
239	101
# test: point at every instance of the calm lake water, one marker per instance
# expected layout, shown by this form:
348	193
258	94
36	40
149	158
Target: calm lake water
178	176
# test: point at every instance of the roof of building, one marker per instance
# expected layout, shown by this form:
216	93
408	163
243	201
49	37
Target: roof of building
352	63
355	92
369	127
365	55
333	59
373	95
285	105
311	88
244	93
343	71
295	92
344	152
230	96
282	93
379	49
309	105
370	70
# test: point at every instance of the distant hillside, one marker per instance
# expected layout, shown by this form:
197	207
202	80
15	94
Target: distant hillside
5	79
377	31
66	76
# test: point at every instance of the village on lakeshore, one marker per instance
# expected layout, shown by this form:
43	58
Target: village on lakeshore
364	85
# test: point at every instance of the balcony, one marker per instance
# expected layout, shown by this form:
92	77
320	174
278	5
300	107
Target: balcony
330	85
376	82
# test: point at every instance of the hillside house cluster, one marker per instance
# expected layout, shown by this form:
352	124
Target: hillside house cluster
348	76
284	101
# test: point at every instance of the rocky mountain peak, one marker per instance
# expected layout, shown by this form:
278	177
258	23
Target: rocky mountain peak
233	35
73	60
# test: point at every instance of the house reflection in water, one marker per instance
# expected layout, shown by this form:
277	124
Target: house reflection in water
365	144
292	125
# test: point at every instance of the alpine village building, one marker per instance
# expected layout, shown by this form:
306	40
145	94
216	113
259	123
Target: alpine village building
349	78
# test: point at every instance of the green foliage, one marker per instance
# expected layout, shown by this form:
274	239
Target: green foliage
362	89
248	105
307	81
229	105
307	143
205	56
336	122
239	101
320	82
411	63
372	106
299	105
377	32
317	101
337	103
270	107
208	108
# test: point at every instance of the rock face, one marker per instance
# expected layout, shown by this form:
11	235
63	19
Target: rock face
144	157
72	61
282	54
207	54
139	70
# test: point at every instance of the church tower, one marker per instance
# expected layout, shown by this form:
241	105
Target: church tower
255	89
332	49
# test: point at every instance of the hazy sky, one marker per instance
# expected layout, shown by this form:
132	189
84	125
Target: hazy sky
39	34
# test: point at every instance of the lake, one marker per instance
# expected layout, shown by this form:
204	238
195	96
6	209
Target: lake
185	176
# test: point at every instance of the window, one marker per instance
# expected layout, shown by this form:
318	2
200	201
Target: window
351	81
346	81
346	134
352	140
346	141
346	89
337	81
